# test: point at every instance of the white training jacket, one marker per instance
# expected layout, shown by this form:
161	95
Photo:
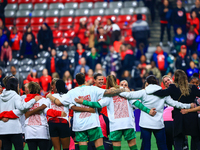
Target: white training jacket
152	101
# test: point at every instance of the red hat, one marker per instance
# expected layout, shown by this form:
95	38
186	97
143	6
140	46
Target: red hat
26	81
184	46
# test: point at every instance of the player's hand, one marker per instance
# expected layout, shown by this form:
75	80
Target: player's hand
5	119
63	114
37	98
79	101
127	90
192	105
152	112
48	95
184	111
91	110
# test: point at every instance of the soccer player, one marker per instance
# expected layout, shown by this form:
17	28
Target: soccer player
86	124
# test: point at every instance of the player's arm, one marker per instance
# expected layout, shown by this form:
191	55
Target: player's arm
35	111
54	100
113	92
139	105
88	103
185	111
81	109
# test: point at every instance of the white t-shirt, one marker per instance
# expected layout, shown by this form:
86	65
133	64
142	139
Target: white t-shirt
59	108
120	113
22	117
83	120
36	126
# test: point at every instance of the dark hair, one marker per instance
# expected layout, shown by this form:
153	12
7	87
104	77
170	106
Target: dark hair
194	76
14	27
80	78
4	43
12	84
111	20
97	75
5	80
60	86
34	88
12	66
139	16
152	80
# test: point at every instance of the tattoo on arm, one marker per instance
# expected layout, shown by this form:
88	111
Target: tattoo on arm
113	92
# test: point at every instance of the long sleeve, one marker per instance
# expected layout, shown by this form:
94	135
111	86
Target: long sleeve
53	113
21	105
165	92
139	105
10	54
133	95
92	104
176	104
8	114
2	53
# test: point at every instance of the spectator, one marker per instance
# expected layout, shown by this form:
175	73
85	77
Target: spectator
129	59
117	44
33	77
45	38
28	31
190	42
96	26
82	64
89	78
3	37
3	4
80	52
98	69
165	13
64	63
114	74
143	65
195	59
6	52
102	42
2	75
127	76
193	69
91	36
52	63
17	75
112	61
183	60
140	31
113	30
81	32
196	8
195	22
136	75
122	52
5	29
179	17
160	58
153	70
141	51
29	48
45	81
151	5
67	78
179	39
55	75
93	59
15	39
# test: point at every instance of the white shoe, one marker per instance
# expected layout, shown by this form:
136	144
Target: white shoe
161	44
169	43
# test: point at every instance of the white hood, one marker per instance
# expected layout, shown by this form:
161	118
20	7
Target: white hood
7	95
151	88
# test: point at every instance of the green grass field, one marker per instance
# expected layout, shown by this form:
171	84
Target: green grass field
125	145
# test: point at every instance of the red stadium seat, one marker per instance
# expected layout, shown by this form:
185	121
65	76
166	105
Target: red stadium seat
77	19
113	17
91	19
65	27
130	40
66	20
37	21
35	28
124	18
57	34
124	25
188	17
9	21
69	34
51	21
9	27
126	32
22	21
12	1
61	41
38	1
21	28
24	1
78	1
51	1
65	1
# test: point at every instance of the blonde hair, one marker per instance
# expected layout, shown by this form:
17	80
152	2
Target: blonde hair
54	80
124	81
34	88
55	75
181	82
166	76
111	81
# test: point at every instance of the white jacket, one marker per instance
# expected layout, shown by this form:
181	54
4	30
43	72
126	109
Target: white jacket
152	101
10	100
